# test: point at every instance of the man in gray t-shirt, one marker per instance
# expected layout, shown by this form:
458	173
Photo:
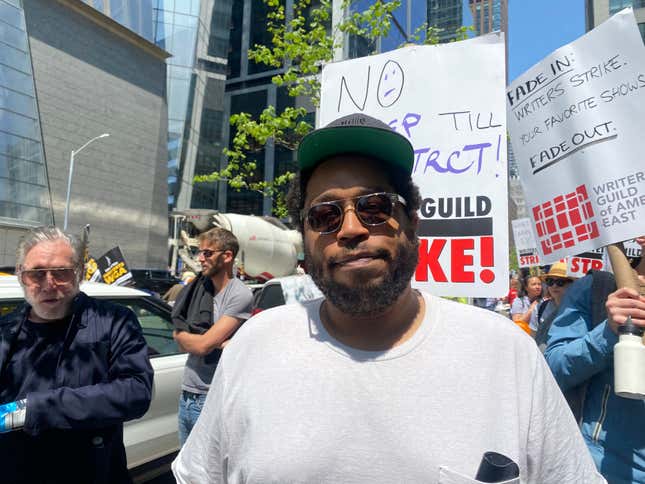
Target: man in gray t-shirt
232	302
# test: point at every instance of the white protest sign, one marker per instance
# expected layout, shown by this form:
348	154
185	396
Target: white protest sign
576	124
525	244
448	100
579	265
632	248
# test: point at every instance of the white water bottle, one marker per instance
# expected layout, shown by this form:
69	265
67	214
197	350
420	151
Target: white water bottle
629	362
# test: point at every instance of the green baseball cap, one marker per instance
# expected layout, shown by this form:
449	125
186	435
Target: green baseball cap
359	134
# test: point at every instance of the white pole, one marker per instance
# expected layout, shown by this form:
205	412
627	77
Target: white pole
71	172
69	188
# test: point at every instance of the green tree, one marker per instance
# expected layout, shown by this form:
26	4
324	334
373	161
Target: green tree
302	41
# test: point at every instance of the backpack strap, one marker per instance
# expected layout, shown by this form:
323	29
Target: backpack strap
603	284
541	308
543	325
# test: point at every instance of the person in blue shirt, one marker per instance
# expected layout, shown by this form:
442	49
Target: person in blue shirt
581	354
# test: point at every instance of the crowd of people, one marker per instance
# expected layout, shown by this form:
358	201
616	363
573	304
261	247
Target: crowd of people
575	325
374	383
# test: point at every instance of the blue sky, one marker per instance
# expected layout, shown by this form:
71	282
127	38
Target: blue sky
537	28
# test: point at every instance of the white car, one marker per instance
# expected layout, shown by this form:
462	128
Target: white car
151	440
285	290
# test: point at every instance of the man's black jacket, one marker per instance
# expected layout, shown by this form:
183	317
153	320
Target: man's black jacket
74	431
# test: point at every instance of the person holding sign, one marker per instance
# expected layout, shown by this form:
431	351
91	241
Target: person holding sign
580	352
376	382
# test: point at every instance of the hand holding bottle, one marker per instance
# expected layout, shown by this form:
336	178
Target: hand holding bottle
623	303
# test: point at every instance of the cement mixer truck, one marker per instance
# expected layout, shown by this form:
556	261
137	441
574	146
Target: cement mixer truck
268	248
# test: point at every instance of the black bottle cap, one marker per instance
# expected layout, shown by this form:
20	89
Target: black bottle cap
630	328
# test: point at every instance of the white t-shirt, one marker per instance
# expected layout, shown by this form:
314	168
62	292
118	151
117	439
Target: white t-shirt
290	404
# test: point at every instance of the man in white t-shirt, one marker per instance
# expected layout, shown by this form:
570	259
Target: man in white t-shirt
376	382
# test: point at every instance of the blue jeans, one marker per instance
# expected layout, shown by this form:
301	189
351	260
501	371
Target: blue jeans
190	406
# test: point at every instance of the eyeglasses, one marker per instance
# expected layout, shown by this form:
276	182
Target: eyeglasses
557	282
60	275
372	210
208	252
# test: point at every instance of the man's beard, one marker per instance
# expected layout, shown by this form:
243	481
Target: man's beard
215	269
63	309
371	297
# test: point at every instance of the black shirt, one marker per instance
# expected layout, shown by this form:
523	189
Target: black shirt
34	357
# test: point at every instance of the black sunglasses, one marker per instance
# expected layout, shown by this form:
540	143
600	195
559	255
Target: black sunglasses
557	282
60	275
208	252
371	209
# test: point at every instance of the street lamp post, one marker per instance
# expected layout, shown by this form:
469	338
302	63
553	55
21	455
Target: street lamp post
71	172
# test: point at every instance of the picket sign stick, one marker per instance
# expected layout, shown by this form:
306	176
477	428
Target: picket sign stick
625	275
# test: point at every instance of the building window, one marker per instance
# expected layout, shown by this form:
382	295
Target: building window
24	191
641	27
259	33
617	5
246	201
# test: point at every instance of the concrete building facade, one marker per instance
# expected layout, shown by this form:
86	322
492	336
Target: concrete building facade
94	76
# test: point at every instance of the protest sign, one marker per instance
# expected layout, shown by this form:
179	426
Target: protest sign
575	121
632	249
579	265
92	272
525	245
113	268
448	100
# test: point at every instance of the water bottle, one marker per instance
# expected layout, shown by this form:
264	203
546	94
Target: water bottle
12	415
629	362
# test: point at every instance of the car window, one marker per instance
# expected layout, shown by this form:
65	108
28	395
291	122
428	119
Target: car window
155	322
156	325
298	289
270	296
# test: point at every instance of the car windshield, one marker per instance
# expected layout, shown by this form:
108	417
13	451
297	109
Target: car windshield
299	289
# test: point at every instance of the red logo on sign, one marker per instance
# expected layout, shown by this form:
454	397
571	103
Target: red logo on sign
565	221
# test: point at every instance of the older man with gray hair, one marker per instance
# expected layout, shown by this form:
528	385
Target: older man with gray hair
72	370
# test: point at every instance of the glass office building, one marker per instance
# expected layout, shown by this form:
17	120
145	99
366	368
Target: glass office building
249	87
24	187
446	15
616	6
196	34
133	14
407	19
196	101
489	15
